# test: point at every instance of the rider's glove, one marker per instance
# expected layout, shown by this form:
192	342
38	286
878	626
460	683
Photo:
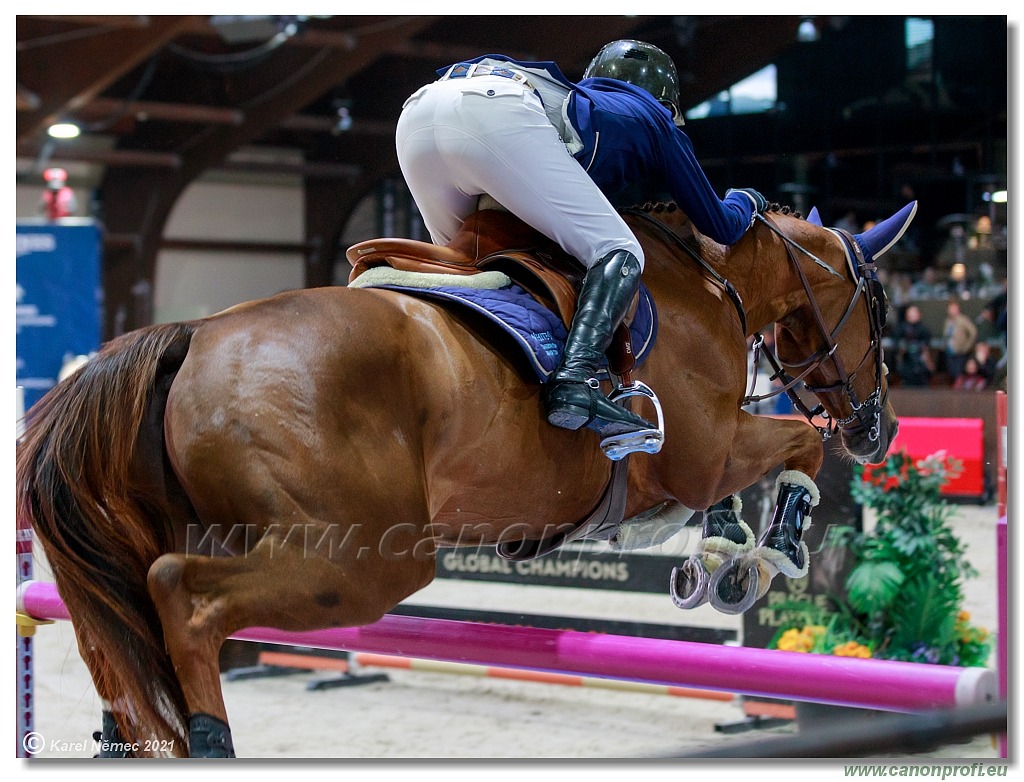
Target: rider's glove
759	201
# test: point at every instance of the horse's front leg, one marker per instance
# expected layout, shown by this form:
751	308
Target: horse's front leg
729	568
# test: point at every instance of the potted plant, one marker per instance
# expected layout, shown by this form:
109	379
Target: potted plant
903	596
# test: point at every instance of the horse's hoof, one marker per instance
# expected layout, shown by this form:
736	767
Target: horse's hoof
688	584
734	587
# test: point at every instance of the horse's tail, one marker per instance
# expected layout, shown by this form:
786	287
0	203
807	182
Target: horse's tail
102	524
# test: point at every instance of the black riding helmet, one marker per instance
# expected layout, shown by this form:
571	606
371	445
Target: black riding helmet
642	65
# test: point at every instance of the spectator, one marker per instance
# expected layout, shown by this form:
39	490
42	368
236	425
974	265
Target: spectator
928	285
899	291
970	379
985	360
958	282
959	334
914	362
992	319
58	199
848	222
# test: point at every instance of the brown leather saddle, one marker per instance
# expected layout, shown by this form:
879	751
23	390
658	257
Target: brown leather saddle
496	240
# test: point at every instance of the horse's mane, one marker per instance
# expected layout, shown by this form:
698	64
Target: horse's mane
656	207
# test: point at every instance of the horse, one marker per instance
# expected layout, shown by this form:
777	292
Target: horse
296	462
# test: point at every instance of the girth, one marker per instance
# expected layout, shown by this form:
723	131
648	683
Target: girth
496	240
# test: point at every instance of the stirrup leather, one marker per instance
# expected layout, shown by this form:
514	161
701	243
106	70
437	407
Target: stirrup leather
617	446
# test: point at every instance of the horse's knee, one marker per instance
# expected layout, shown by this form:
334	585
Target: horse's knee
805	451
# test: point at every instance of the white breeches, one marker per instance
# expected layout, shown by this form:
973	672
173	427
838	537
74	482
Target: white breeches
458	139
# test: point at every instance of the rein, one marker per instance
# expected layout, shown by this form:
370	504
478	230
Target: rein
866	414
675	239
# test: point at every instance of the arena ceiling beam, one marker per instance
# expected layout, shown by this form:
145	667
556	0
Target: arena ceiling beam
142	212
99	59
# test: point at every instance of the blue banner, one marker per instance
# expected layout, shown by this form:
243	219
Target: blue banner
60	300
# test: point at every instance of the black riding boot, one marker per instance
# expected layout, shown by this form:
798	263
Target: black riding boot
573	395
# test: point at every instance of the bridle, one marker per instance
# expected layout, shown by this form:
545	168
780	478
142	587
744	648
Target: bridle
866	414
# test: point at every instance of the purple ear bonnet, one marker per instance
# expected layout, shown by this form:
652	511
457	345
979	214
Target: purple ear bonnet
814	218
875	241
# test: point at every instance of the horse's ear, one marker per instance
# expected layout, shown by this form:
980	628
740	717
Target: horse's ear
875	241
814	218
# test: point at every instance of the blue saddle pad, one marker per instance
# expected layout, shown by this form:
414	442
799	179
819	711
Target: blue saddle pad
537	330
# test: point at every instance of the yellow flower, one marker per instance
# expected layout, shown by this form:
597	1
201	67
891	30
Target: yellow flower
963	616
794	640
852	649
968	633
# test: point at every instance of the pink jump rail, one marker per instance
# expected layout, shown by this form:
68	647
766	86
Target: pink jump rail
873	684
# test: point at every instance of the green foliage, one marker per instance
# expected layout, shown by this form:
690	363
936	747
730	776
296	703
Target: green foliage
873	585
923	620
903	595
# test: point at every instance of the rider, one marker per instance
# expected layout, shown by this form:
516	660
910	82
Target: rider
557	155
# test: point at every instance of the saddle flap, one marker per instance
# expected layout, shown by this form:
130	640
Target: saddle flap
497	240
536	273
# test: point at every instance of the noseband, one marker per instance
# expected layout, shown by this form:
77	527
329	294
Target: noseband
866	414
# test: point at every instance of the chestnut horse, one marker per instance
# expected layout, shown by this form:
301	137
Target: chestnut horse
295	462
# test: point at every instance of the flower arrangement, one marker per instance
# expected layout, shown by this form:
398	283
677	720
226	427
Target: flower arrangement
903	596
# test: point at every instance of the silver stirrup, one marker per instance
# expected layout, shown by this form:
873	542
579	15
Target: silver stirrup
617	446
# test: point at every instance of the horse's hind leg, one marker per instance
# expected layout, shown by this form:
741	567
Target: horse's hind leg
284	581
728	568
108	740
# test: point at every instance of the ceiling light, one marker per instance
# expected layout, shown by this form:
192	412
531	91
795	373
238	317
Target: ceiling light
807	32
64	130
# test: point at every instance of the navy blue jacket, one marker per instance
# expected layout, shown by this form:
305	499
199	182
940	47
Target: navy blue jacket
631	145
629	139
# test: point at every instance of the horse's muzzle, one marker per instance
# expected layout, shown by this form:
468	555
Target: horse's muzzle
868	449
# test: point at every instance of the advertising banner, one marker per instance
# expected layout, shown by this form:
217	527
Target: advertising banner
59	300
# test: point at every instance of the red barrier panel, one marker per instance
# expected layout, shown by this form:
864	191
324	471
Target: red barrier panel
961	438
